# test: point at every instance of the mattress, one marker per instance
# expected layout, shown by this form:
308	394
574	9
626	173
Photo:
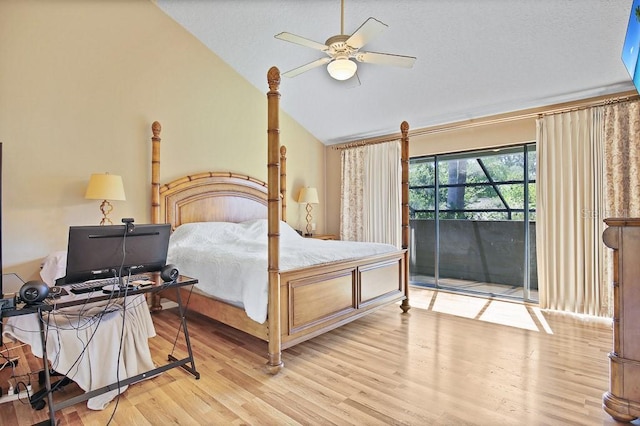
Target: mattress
230	259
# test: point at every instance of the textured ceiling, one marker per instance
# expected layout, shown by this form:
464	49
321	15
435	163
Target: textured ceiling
474	58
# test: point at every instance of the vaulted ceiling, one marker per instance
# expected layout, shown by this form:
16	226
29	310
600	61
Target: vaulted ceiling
474	58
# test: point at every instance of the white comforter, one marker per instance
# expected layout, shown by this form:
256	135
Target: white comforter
230	259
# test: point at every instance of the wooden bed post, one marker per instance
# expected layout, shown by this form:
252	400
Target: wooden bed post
283	181
404	129
155	172
229	197
155	194
274	364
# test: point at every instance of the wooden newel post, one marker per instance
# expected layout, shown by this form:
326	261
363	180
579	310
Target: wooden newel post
404	149
274	363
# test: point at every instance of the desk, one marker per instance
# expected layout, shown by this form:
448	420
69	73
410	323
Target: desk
71	299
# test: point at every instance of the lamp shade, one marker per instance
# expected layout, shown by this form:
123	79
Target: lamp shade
342	68
105	187
308	195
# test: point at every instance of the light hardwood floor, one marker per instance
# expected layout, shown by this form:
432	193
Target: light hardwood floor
479	288
452	360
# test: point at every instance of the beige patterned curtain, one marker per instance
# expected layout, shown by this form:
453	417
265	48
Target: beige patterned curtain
371	196
622	158
622	171
352	194
570	198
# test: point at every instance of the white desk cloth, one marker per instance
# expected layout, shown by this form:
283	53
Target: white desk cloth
84	341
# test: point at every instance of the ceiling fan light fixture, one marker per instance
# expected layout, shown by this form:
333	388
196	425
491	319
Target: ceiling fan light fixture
342	68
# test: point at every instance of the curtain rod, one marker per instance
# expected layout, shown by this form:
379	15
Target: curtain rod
603	102
357	144
538	112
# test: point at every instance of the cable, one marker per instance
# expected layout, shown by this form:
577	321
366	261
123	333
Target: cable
92	321
9	362
7	348
27	390
124	314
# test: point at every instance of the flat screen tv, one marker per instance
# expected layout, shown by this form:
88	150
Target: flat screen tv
631	48
95	252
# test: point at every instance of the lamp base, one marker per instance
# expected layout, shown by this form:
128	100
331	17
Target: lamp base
106	208
309	227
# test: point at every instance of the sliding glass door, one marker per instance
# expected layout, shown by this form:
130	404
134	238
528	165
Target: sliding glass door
473	222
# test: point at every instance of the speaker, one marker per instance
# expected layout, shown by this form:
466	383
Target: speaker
169	272
34	292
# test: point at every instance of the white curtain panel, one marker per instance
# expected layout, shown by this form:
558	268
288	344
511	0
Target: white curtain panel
382	195
570	198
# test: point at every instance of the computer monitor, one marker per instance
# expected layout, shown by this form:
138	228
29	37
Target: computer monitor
115	250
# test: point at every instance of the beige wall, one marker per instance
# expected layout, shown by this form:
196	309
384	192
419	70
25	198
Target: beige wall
483	136
80	85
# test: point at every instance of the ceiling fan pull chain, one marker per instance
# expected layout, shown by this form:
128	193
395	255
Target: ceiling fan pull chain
341	17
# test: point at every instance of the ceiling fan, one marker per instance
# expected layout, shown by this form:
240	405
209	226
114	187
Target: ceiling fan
344	50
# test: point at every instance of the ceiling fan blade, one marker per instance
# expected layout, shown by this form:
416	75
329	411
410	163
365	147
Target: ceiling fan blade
304	68
367	31
292	38
385	59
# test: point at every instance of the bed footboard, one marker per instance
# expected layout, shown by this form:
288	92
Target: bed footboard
319	299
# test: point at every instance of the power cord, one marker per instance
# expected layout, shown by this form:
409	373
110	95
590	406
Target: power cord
27	388
128	228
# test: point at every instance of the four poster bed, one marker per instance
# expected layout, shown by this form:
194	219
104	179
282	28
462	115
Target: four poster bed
303	301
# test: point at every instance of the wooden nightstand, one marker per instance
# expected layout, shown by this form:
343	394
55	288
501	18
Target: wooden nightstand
322	236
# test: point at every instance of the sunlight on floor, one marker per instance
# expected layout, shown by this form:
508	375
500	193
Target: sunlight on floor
462	306
507	313
502	312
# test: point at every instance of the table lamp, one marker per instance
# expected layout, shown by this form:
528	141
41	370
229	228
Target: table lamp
308	196
105	187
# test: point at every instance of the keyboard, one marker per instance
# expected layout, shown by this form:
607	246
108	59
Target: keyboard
93	285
